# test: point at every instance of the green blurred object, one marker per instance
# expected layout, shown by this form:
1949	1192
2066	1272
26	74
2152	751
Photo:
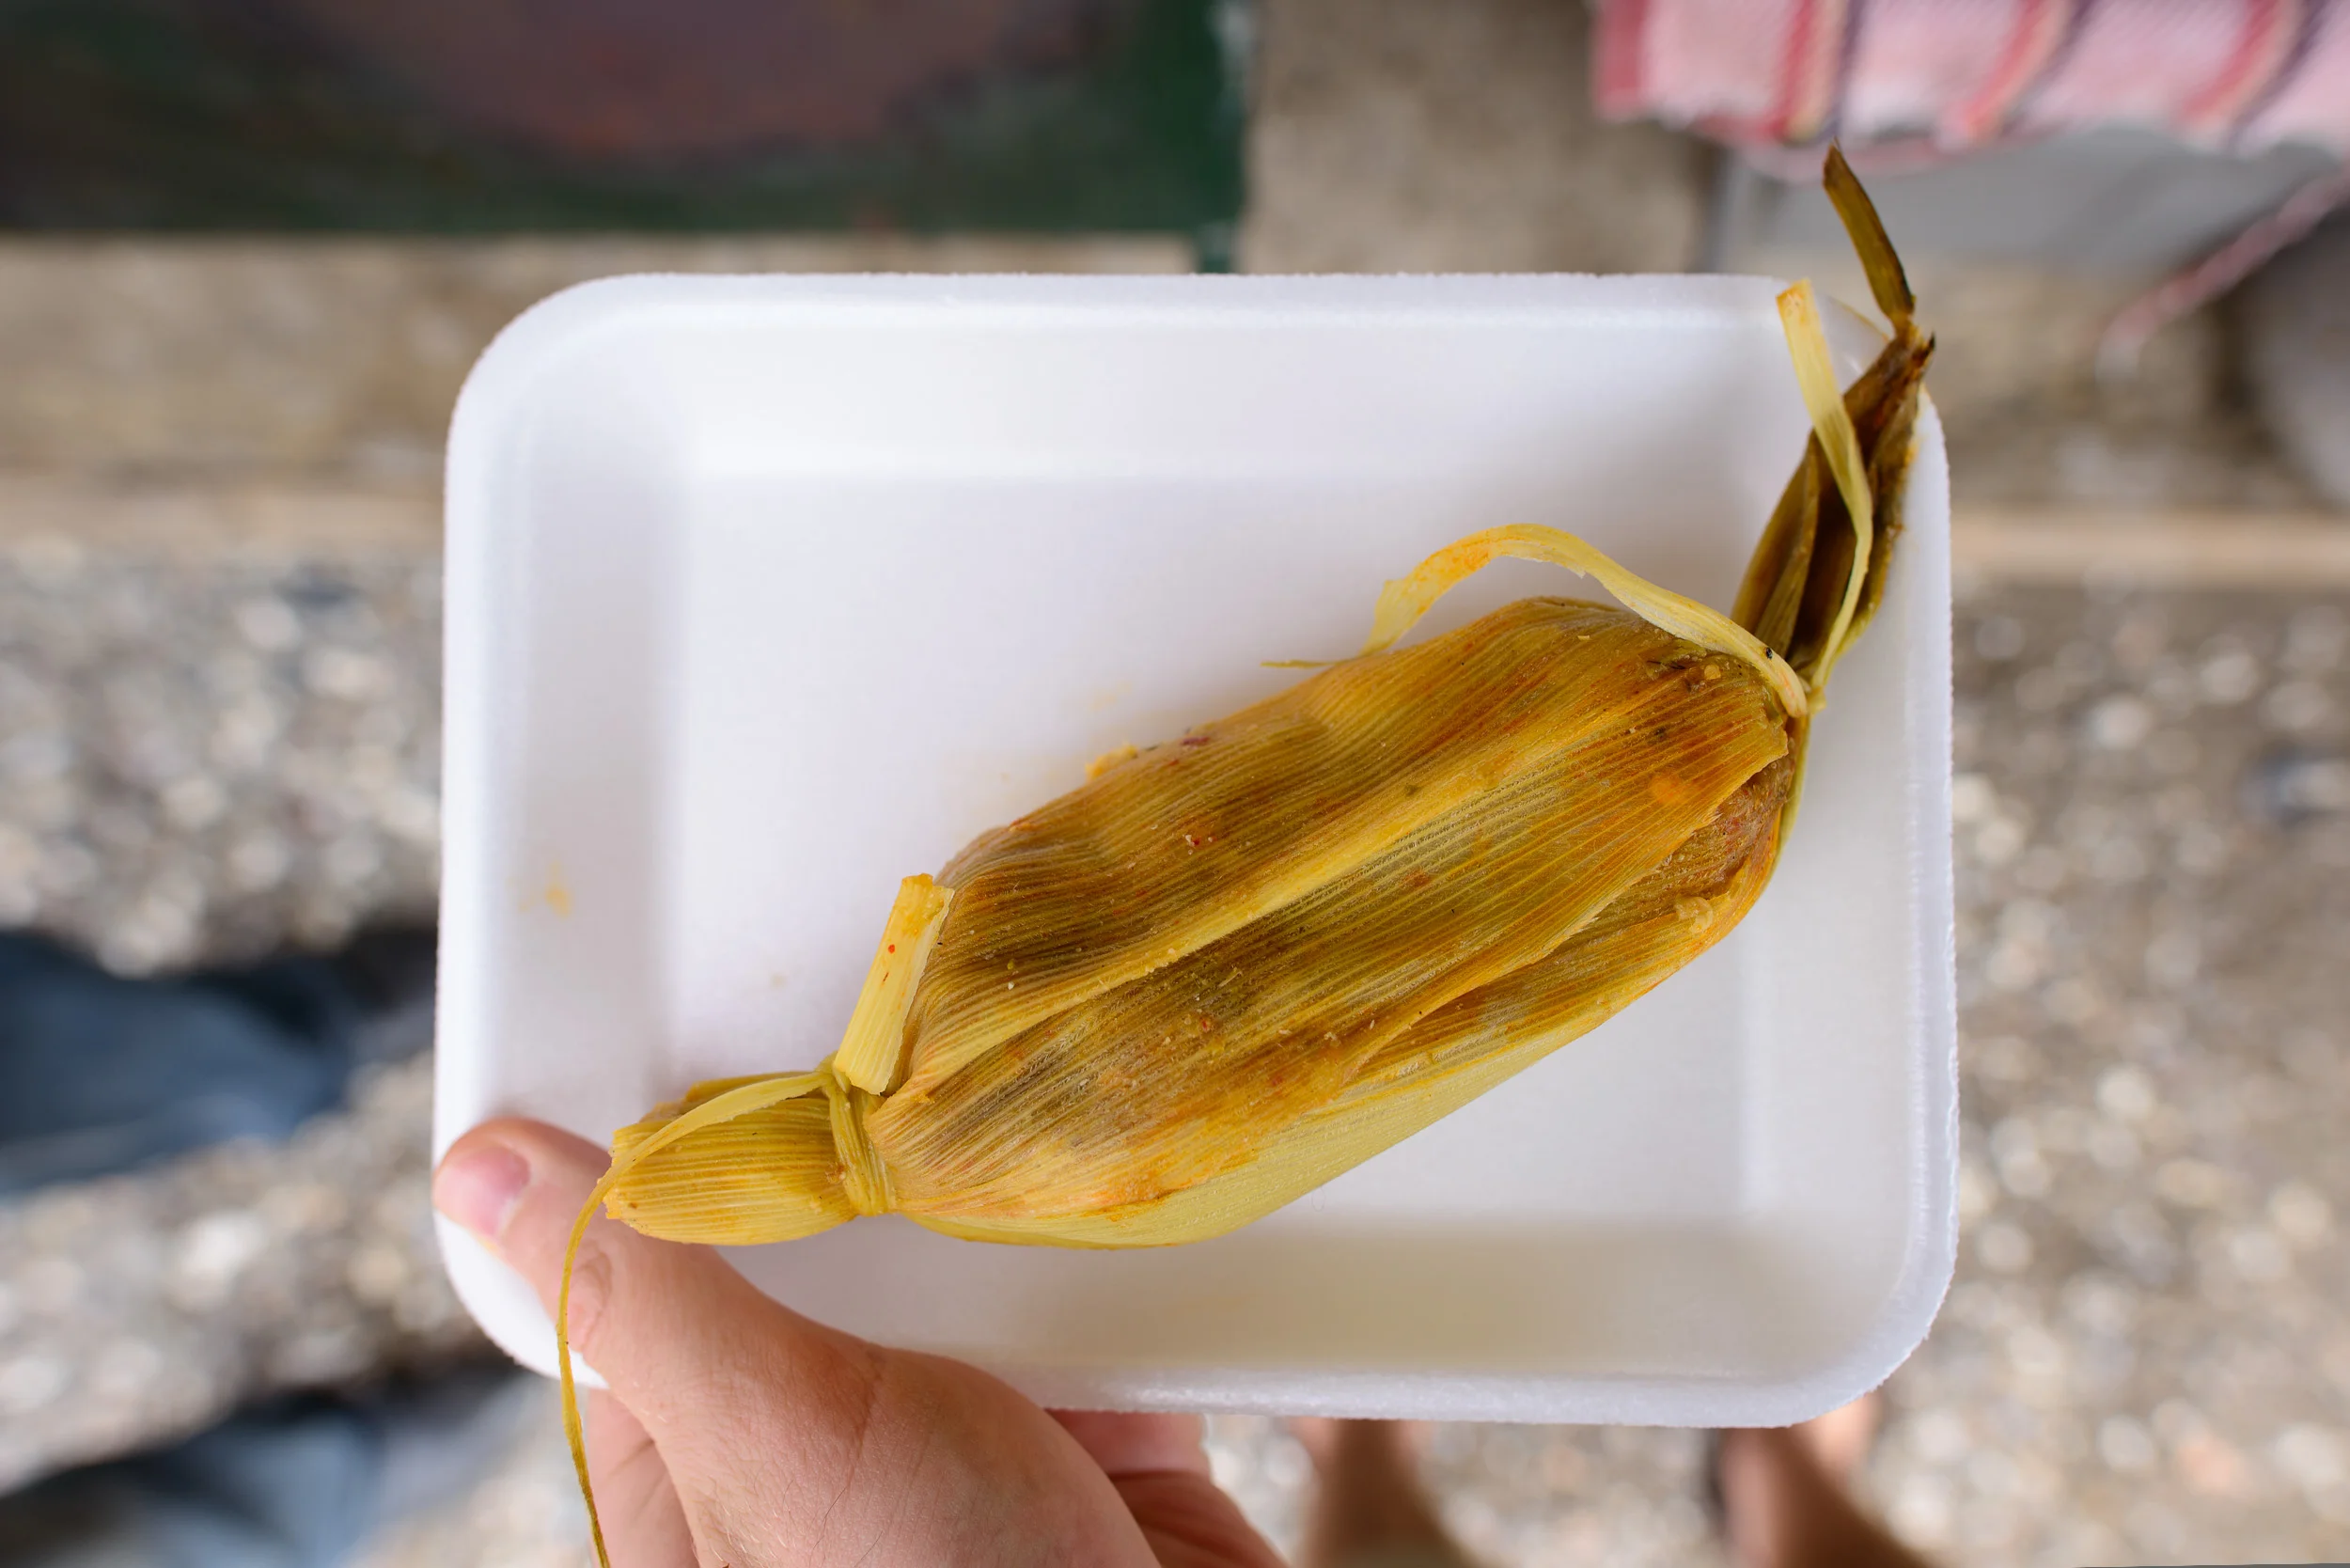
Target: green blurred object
493	115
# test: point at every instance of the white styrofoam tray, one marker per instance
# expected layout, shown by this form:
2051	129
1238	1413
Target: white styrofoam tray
764	593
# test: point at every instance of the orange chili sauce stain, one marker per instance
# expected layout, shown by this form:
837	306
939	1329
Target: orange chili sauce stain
557	896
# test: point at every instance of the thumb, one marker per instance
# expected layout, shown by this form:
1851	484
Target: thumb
686	1343
1160	1468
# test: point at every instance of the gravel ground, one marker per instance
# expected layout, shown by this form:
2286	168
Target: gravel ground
207	759
2144	1357
2141	1360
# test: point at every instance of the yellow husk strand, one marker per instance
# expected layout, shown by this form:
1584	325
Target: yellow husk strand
1833	428
872	1051
1228	968
1406	598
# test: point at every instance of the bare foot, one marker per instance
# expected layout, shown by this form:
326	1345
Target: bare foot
1370	1508
1840	1440
1785	1500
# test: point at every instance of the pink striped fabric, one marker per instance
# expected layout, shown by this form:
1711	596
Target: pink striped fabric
1944	75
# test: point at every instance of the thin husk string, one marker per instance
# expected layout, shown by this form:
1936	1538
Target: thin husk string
1406	599
737	1102
868	1062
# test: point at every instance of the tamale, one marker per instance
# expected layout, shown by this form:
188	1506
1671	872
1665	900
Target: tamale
1229	967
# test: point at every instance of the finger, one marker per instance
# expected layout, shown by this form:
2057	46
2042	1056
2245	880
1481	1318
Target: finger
1190	1524
643	1522
1126	1444
687	1343
1160	1469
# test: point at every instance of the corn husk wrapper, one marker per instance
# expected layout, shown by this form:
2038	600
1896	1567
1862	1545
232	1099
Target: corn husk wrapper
1232	966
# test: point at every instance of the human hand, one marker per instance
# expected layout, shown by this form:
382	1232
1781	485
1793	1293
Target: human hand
738	1433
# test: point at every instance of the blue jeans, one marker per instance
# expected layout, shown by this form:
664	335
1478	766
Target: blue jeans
101	1075
300	1482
